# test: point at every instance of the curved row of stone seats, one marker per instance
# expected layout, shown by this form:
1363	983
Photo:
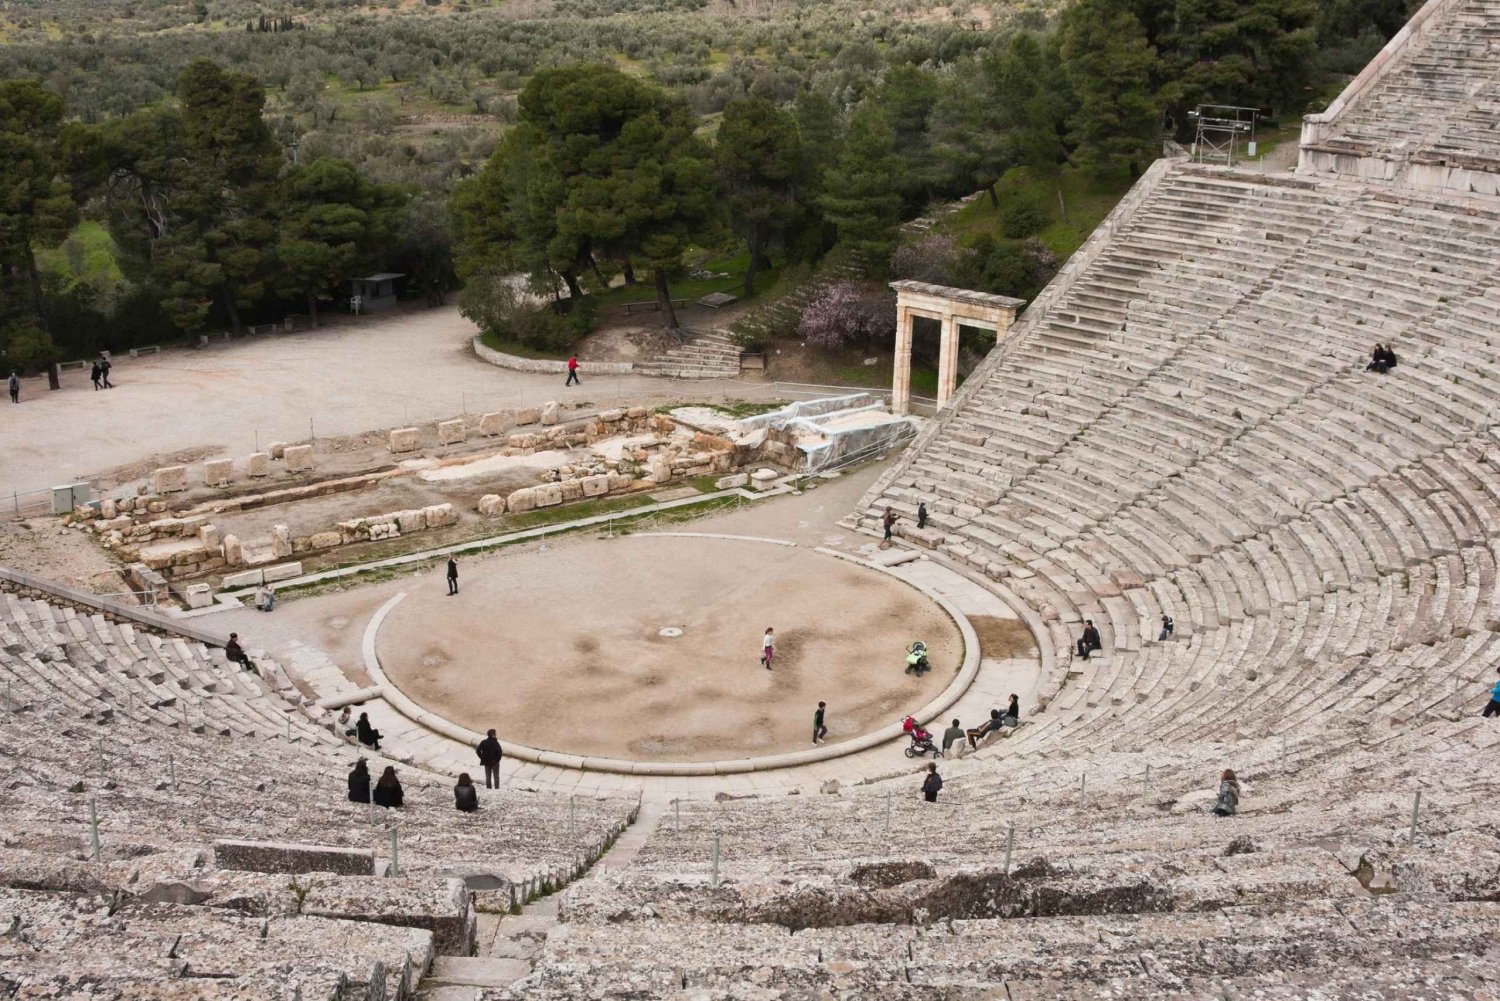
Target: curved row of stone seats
1439	96
276	791
1339	522
1275	952
92	936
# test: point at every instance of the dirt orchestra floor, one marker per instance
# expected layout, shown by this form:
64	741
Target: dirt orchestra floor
563	648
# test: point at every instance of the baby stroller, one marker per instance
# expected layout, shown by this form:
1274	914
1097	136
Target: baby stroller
916	659
921	740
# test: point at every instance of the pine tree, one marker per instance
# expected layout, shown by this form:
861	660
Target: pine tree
862	192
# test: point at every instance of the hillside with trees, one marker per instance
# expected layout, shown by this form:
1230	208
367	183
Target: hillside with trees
175	166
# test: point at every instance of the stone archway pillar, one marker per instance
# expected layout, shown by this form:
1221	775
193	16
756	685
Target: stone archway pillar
952	308
901	375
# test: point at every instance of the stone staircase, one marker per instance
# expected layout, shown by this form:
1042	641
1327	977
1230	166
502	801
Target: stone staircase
509	945
704	355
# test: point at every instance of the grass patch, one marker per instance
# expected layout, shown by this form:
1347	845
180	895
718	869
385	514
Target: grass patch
1086	198
573	511
693	289
490	340
88	255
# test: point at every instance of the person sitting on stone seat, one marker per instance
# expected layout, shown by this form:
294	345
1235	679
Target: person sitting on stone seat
1012	715
1089	641
1229	794
465	796
368	735
236	653
1382	359
978	733
1168	627
953	735
388	789
359	782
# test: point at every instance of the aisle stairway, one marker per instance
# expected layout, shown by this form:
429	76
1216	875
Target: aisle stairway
703	355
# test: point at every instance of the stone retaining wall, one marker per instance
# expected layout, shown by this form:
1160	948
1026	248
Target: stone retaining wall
519	364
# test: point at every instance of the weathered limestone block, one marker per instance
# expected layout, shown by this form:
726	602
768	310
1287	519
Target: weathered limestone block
234	554
411	521
595	486
527	415
450	432
248	578
521	500
324	540
440	516
661	470
109	509
572	490
661	423
283	571
491	425
274	856
258	464
636	413
405	439
548	494
492	505
169	480
550	412
218	472
199	596
762	479
277	449
611	416
281	541
208	536
298	458
524	442
732	481
154	506
618	480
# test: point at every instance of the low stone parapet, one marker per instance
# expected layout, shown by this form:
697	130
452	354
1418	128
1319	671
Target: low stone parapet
291	857
520	364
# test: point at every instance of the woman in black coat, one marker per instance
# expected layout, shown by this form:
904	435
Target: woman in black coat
368	735
359	783
465	796
388	789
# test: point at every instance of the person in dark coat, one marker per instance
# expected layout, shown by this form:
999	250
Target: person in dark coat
1089	641
932	783
887	522
978	733
452	575
104	367
236	653
388	789
359	782
368	735
819	730
14	382
96	373
1168	627
465	796
489	756
922	514
1012	714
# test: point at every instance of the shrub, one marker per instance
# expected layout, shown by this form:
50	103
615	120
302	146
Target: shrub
844	313
1022	216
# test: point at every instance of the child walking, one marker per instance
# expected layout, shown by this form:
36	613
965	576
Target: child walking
768	647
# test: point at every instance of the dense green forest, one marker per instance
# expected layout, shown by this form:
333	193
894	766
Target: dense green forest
179	166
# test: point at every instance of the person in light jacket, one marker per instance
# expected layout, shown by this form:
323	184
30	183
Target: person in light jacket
1229	794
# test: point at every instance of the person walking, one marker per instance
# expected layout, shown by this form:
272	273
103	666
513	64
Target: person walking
768	647
932	783
265	598
359	782
388	790
104	367
572	372
368	735
1493	709
1089	641
1168	627
888	522
15	388
95	374
1229	794
465	796
921	514
452	575
236	653
953	735
489	756
819	730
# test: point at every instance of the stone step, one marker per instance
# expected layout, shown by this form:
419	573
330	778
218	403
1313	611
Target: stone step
474	971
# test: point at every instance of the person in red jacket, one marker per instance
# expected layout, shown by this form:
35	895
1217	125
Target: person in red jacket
572	372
